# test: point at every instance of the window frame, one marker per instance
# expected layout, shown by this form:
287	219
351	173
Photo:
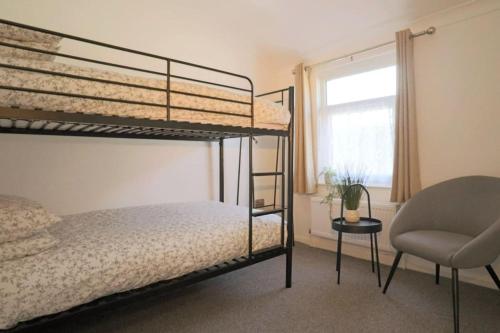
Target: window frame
383	57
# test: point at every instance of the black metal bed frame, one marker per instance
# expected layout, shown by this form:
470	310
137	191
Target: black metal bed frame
17	120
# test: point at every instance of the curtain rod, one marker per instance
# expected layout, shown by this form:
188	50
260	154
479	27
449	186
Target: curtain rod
428	31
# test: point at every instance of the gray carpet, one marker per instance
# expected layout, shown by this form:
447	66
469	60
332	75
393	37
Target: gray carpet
254	300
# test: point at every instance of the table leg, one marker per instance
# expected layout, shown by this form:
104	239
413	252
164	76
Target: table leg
371	249
339	255
378	262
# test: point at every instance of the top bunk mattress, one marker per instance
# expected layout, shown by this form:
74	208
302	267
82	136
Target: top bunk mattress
109	251
267	114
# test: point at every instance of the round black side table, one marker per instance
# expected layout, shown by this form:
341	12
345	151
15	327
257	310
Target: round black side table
366	225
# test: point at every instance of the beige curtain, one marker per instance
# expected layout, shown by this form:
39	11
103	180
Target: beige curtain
305	170
406	173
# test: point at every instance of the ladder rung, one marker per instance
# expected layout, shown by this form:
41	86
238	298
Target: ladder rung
270	205
268	212
267	173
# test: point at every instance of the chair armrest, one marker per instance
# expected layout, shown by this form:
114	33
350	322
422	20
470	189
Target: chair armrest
480	251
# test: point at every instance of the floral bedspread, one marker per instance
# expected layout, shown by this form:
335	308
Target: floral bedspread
104	252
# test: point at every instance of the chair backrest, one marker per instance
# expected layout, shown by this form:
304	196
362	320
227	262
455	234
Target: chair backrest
466	205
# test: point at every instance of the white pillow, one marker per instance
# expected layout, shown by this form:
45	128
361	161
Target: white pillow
27	246
11	52
21	218
26	35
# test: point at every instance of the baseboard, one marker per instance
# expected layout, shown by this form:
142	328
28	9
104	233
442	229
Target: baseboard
303	239
477	276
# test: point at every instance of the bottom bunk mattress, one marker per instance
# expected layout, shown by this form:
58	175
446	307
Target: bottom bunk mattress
110	251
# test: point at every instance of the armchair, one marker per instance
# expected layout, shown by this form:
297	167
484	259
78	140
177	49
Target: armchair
456	224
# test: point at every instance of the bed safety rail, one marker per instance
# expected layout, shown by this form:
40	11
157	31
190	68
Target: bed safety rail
244	85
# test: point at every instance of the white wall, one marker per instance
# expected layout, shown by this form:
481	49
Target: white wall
72	175
79	174
458	96
458	103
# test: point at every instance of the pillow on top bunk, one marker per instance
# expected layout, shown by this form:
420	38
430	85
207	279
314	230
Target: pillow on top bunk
25	35
10	52
24	247
21	218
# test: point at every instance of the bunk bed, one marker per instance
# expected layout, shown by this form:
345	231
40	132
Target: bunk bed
44	92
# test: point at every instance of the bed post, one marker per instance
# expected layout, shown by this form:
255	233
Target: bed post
250	175
221	169
289	238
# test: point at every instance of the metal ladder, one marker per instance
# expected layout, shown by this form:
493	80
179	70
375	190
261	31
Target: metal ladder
273	208
286	184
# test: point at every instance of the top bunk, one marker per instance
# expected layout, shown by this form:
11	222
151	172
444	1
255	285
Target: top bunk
56	84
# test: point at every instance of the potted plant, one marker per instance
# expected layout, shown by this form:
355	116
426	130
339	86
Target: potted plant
331	188
351	194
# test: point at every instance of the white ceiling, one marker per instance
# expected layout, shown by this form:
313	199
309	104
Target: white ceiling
298	26
278	32
306	26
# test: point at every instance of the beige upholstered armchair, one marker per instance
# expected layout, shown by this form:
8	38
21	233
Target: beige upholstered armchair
456	224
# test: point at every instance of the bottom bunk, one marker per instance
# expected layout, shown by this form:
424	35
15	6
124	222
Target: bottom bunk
106	256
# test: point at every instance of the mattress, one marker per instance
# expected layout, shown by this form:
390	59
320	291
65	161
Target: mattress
267	114
109	251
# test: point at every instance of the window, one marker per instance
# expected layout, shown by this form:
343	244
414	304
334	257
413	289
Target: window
356	119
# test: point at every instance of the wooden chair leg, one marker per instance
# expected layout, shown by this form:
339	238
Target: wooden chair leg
493	275
437	273
393	270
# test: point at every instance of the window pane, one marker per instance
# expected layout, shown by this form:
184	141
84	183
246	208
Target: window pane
368	85
362	139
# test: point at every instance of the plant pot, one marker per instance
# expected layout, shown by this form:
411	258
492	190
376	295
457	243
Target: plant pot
351	216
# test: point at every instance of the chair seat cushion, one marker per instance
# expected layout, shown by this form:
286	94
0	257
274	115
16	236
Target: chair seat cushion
433	245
